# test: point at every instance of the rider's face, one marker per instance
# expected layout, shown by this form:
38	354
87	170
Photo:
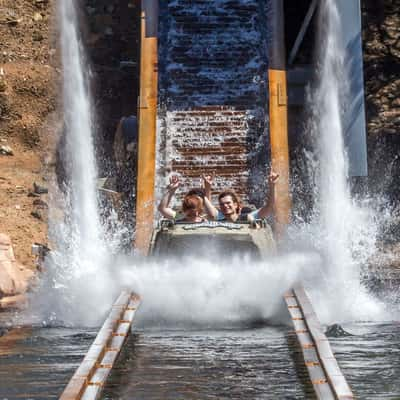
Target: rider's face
228	206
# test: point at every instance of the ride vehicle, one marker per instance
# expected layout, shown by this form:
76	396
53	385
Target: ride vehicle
212	239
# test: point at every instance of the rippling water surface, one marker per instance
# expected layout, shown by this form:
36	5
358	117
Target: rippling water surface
370	360
225	364
246	363
37	363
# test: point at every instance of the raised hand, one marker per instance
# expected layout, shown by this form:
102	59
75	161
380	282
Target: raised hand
174	183
208	180
273	177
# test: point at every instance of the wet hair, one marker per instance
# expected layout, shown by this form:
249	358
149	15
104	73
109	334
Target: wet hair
192	204
197	192
234	196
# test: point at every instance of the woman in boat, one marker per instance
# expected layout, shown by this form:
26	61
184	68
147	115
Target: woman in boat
192	204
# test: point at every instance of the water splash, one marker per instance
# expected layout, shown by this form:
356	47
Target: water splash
77	273
85	278
80	155
190	291
344	229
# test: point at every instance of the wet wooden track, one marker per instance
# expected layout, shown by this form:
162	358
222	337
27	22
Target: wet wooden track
88	381
323	369
325	375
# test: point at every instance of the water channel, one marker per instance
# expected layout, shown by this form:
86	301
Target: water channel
247	362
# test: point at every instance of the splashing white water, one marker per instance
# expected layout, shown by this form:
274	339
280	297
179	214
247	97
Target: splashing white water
197	291
76	271
345	230
84	218
190	291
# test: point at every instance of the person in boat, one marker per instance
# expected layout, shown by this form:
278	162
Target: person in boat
230	206
192	204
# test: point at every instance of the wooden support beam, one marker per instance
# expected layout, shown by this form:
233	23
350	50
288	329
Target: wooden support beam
279	147
146	170
278	118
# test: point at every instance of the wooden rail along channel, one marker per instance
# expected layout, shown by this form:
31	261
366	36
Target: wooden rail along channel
323	369
88	381
325	375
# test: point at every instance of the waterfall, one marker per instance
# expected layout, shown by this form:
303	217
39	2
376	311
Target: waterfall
84	217
78	287
345	231
335	200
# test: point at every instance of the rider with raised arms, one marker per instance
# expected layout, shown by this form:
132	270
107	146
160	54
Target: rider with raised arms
230	207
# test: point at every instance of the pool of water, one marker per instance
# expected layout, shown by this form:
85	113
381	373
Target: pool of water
37	363
236	363
370	360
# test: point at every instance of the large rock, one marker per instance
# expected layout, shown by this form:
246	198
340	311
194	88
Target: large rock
381	38
14	277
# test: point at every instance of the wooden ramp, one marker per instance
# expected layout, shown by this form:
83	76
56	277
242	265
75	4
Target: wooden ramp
210	139
213	91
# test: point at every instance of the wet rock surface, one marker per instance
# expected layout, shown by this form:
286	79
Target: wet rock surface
381	40
336	331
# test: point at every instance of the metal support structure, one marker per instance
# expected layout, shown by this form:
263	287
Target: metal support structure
90	377
146	170
323	369
354	122
302	32
278	117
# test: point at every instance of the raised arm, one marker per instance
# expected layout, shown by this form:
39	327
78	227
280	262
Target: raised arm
268	208
212	212
164	207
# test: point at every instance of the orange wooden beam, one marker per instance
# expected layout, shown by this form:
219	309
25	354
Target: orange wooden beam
146	170
279	147
278	116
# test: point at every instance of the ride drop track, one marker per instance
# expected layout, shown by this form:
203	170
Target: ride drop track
90	377
324	373
323	369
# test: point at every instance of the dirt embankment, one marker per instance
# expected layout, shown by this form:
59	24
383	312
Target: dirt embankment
27	119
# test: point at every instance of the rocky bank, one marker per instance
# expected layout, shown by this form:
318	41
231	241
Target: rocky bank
28	104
